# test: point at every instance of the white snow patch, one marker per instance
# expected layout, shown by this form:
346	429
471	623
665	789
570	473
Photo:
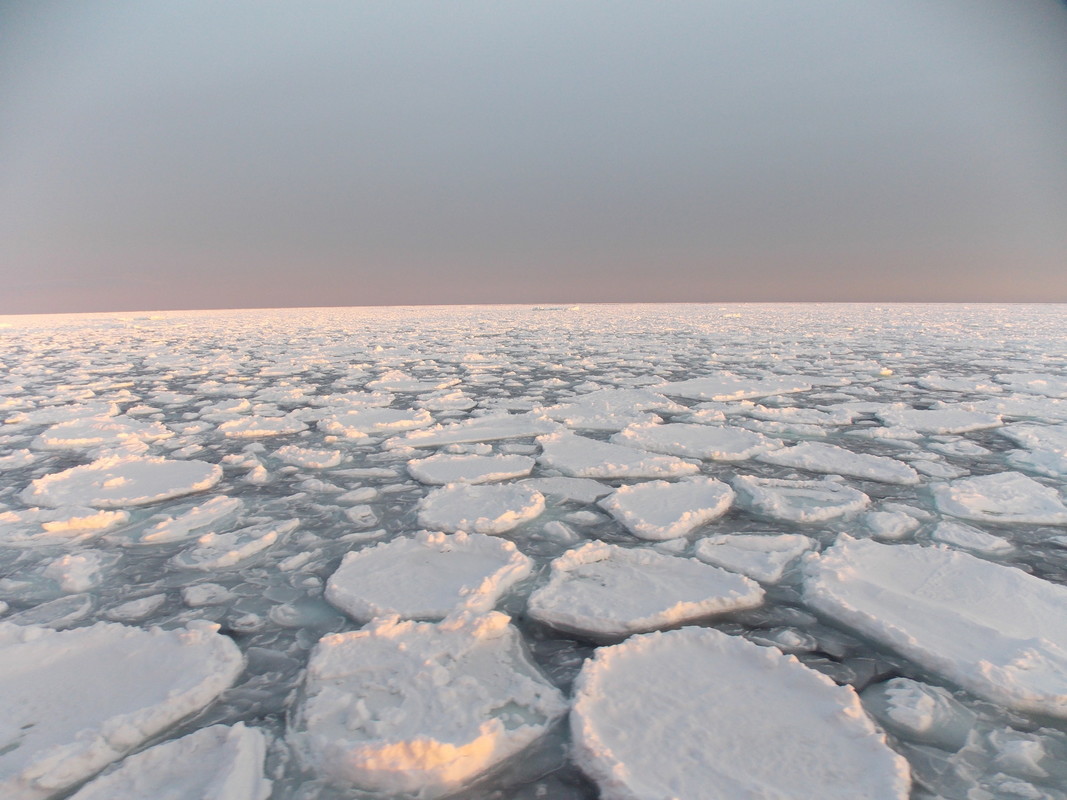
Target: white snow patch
761	556
730	719
307	458
426	577
834	460
444	468
964	536
361	422
797	501
580	457
716	442
658	510
1004	498
420	708
994	630
938	420
607	590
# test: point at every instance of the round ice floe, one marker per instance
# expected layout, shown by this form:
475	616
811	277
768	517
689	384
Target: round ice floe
215	512
994	630
602	589
254	427
51	526
444	468
581	457
920	712
964	536
834	460
938	420
309	459
119	481
426	577
728	719
761	556
727	386
479	429
50	415
98	432
659	510
360	422
717	442
221	550
74	701
480	509
574	490
219	762
420	707
797	501
1005	498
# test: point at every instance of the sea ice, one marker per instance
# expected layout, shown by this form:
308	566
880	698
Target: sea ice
445	468
75	701
657	510
223	550
116	481
607	590
214	763
253	427
964	536
797	501
996	631
33	527
426	577
420	708
920	712
761	556
581	457
574	490
215	512
834	460
727	386
99	432
717	442
307	458
358	423
479	429
1004	498
728	719
480	509
938	420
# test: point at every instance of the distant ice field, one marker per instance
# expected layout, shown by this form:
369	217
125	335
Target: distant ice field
615	551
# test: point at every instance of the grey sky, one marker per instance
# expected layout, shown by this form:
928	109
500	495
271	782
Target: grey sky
201	154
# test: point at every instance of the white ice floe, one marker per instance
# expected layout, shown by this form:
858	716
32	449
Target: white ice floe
307	458
1004	498
761	556
964	536
446	401
920	712
117	481
1041	383
996	631
51	415
798	501
51	526
426	577
136	610
222	550
479	509
17	459
398	381
581	457
348	400
575	490
75	701
420	708
657	510
970	384
253	427
78	572
479	429
938	420
1037	437
216	512
59	614
361	422
889	525
606	590
729	719
716	442
215	763
444	468
206	594
834	460
727	386
99	432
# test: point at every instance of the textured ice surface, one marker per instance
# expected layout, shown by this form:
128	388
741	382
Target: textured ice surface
421	707
732	720
994	630
219	762
607	590
116	481
581	457
214	551
829	458
426	577
480	509
444	468
75	701
658	510
494	380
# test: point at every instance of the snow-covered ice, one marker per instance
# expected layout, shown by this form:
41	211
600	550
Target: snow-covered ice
140	682
761	556
834	460
796	500
994	630
718	442
582	457
445	468
480	509
606	590
726	719
427	576
116	481
418	707
1004	498
658	510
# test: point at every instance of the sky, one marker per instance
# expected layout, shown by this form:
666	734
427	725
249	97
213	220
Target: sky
202	154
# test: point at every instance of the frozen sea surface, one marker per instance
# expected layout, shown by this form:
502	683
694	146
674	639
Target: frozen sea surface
893	476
